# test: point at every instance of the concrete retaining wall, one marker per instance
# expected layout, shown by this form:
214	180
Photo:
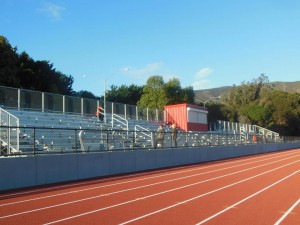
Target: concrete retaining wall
19	172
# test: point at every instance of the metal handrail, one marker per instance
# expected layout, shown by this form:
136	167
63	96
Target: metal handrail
119	119
11	139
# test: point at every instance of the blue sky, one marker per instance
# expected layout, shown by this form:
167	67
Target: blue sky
203	43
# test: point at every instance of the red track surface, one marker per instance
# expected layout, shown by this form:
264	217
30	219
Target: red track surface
255	190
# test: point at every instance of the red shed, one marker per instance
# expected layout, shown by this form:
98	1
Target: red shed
187	117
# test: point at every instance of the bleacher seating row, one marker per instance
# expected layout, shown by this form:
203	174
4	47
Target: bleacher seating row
44	132
56	132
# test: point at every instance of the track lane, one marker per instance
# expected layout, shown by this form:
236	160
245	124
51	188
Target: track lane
39	195
163	172
202	206
162	182
91	205
126	210
261	207
291	216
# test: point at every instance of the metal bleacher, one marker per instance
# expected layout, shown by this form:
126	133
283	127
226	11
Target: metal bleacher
41	132
38	132
51	131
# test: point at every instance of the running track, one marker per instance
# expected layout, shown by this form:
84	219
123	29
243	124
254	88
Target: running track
254	190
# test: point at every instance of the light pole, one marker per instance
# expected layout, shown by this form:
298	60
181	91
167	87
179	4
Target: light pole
104	103
210	99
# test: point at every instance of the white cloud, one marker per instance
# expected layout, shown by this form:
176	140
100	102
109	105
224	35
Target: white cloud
148	69
140	75
199	81
53	10
203	73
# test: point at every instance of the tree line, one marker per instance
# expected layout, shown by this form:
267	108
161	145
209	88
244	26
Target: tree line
21	71
258	102
255	102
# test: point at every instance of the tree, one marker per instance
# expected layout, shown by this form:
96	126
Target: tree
157	93
124	94
154	94
57	82
26	73
8	64
188	95
285	111
85	94
33	75
135	93
21	71
242	96
217	112
176	94
64	83
256	114
173	91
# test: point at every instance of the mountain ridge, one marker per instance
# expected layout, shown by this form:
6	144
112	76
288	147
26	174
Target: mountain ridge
205	94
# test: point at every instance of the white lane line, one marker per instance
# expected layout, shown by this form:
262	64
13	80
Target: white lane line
141	179
194	198
37	191
160	193
110	185
131	181
58	187
288	212
247	198
139	187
